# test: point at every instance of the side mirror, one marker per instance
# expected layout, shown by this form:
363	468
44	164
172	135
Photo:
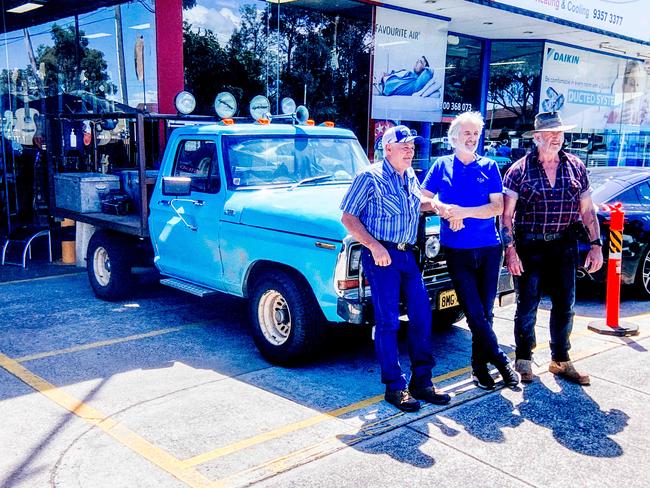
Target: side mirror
177	186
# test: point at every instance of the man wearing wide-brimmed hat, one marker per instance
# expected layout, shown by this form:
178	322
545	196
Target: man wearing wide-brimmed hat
546	194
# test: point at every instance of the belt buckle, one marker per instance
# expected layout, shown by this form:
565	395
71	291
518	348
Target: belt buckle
401	246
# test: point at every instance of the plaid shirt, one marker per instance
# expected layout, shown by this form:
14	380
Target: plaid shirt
389	210
541	208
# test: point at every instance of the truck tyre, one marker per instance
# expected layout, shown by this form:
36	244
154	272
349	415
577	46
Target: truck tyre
444	319
642	280
286	321
108	264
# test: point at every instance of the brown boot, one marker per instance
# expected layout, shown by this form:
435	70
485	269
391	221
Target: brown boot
525	369
566	370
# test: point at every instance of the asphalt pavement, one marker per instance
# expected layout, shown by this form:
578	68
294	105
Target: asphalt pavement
166	390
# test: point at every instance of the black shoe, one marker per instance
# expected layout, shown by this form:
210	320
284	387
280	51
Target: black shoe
509	375
429	395
403	400
481	378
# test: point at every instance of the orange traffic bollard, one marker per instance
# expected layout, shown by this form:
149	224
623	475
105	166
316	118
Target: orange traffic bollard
611	325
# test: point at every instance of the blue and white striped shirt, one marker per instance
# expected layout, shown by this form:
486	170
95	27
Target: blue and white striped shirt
386	205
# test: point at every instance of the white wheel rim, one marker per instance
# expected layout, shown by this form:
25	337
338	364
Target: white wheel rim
102	266
274	317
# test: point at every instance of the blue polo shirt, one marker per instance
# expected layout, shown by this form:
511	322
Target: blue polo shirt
467	186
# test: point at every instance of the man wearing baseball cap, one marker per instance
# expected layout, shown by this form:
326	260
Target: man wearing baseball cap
546	194
381	210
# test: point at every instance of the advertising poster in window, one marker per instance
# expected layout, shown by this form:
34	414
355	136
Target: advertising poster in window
624	17
585	87
408	70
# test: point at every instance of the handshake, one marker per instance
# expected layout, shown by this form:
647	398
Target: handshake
453	213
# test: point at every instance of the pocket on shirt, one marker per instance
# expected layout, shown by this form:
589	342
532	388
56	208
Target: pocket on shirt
530	193
573	189
391	204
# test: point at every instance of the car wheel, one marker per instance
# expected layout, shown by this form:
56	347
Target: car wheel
108	264
642	280
444	319
286	321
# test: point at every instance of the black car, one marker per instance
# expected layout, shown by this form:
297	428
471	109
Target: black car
631	187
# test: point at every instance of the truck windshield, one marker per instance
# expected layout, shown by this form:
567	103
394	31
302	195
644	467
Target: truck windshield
254	161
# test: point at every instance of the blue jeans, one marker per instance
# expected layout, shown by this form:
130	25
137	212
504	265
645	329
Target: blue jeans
386	283
475	274
547	266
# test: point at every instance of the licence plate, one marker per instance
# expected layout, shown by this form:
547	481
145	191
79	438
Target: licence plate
447	299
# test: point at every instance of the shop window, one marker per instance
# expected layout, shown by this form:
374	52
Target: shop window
318	56
74	64
513	93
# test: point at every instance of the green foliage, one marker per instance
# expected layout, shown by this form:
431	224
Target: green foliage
63	74
336	77
515	87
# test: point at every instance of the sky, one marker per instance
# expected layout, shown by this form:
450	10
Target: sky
220	16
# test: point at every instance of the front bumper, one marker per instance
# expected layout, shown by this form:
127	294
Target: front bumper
358	310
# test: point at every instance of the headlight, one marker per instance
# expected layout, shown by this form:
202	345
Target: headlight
432	247
355	260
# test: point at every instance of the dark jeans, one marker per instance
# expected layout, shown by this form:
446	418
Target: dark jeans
386	283
475	274
549	266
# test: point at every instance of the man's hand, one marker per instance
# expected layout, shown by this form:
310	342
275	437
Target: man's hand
513	263
454	212
442	209
380	254
594	260
456	224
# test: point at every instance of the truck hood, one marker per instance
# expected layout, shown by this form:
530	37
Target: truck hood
308	210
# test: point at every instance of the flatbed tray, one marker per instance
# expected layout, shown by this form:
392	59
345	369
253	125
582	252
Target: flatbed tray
129	224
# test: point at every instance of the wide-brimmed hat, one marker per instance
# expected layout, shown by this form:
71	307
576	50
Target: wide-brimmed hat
548	122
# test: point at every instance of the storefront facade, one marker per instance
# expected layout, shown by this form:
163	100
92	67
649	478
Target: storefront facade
365	65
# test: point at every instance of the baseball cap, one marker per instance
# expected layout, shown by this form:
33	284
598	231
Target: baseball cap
399	133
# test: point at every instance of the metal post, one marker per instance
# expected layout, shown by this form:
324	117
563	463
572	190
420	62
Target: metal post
611	325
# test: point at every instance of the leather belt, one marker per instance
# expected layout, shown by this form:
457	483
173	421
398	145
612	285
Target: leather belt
400	246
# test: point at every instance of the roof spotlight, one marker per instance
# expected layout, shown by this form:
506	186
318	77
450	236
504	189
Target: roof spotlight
185	102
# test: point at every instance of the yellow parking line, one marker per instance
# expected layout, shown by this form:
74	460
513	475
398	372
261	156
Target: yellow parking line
333	444
108	342
286	429
117	431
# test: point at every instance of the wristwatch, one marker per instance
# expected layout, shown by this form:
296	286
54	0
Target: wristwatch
596	242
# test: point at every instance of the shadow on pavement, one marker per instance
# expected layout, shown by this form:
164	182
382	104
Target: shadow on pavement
403	446
476	423
574	418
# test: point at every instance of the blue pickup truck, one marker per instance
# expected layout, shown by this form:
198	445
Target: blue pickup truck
252	210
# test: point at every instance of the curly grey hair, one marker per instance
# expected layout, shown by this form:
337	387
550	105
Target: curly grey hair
454	129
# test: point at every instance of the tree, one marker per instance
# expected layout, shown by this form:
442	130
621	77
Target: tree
62	73
515	88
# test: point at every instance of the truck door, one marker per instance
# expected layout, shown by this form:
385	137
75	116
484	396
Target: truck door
188	247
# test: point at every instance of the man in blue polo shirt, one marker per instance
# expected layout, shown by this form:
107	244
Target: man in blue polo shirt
381	210
469	195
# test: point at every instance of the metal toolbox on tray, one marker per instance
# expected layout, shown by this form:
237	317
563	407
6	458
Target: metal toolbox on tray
82	192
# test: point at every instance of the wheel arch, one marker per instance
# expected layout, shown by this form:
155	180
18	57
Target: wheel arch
261	267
